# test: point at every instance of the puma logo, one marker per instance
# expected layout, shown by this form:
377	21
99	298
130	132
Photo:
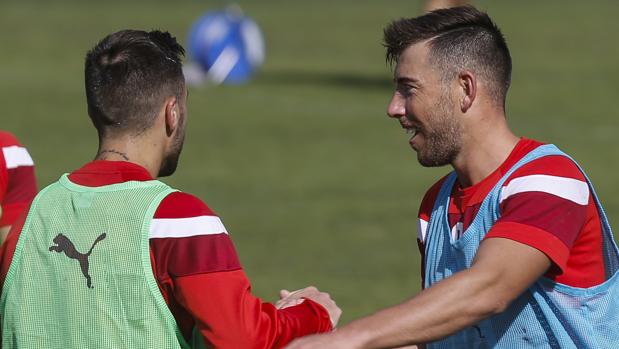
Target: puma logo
63	244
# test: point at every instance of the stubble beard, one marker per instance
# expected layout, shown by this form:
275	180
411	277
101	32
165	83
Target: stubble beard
443	137
170	162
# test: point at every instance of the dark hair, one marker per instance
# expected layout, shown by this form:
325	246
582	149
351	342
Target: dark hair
460	38
128	76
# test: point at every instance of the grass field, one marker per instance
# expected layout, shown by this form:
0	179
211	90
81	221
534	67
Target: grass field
314	183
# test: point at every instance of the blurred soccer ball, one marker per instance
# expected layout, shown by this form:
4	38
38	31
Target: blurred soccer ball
227	45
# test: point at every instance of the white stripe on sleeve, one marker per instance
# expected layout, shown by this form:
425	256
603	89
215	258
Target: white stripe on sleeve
567	188
422	230
185	227
16	156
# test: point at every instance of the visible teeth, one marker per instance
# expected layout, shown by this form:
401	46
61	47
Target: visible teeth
412	131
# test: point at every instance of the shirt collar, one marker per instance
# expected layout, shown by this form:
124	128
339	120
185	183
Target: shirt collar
102	172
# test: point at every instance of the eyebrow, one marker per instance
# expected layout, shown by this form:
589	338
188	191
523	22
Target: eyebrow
404	79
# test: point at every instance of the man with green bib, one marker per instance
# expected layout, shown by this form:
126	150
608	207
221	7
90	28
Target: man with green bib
110	257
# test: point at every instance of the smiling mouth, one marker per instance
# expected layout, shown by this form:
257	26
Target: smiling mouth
412	131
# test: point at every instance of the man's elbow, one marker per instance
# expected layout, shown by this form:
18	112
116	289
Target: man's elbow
492	298
484	307
498	305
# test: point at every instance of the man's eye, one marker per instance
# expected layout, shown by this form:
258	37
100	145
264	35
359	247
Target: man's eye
406	90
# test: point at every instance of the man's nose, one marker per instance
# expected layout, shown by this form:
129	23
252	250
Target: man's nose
396	109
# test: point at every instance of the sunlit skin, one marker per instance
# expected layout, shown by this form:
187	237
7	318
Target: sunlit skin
158	148
476	137
482	142
426	109
170	162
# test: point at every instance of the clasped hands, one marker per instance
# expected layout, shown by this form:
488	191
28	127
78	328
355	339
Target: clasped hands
318	341
289	299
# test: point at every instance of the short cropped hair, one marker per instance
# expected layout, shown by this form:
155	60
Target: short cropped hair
460	38
129	74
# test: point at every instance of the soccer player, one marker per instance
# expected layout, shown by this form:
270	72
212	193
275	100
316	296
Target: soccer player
110	257
17	182
517	250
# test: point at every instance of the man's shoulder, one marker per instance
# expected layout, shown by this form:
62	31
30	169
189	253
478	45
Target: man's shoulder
555	175
12	153
182	215
548	166
553	165
188	238
8	139
182	205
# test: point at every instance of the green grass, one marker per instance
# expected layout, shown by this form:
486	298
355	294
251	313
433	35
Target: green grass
314	183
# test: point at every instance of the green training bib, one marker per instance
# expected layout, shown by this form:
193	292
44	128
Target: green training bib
81	275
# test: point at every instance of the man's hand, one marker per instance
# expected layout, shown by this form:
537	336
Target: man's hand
289	299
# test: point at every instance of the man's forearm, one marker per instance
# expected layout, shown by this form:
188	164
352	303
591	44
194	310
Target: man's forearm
228	315
457	302
447	307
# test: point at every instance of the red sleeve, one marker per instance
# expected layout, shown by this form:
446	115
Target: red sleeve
17	180
544	205
229	316
539	239
200	277
8	247
4	179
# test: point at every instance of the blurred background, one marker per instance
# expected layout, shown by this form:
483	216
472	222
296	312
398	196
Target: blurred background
314	183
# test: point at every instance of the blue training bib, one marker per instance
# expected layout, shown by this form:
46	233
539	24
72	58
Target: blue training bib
548	314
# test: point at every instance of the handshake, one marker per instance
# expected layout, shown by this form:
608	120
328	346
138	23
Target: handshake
289	299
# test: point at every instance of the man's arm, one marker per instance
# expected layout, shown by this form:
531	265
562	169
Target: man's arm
229	316
502	270
201	278
17	181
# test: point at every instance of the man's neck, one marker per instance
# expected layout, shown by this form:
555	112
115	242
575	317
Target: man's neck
483	151
131	150
109	154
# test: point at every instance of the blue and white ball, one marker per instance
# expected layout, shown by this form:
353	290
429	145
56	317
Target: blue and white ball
227	45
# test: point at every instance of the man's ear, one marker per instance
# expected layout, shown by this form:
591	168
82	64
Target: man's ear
172	115
468	85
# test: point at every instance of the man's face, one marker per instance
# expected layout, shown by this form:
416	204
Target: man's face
423	105
170	162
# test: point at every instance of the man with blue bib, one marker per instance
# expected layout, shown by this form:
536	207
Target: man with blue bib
517	250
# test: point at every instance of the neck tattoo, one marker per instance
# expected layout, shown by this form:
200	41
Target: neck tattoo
121	154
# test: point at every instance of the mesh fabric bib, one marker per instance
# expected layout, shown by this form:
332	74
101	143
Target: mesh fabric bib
549	314
81	275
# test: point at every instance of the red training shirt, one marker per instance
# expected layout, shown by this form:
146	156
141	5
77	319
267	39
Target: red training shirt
545	204
17	182
198	272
